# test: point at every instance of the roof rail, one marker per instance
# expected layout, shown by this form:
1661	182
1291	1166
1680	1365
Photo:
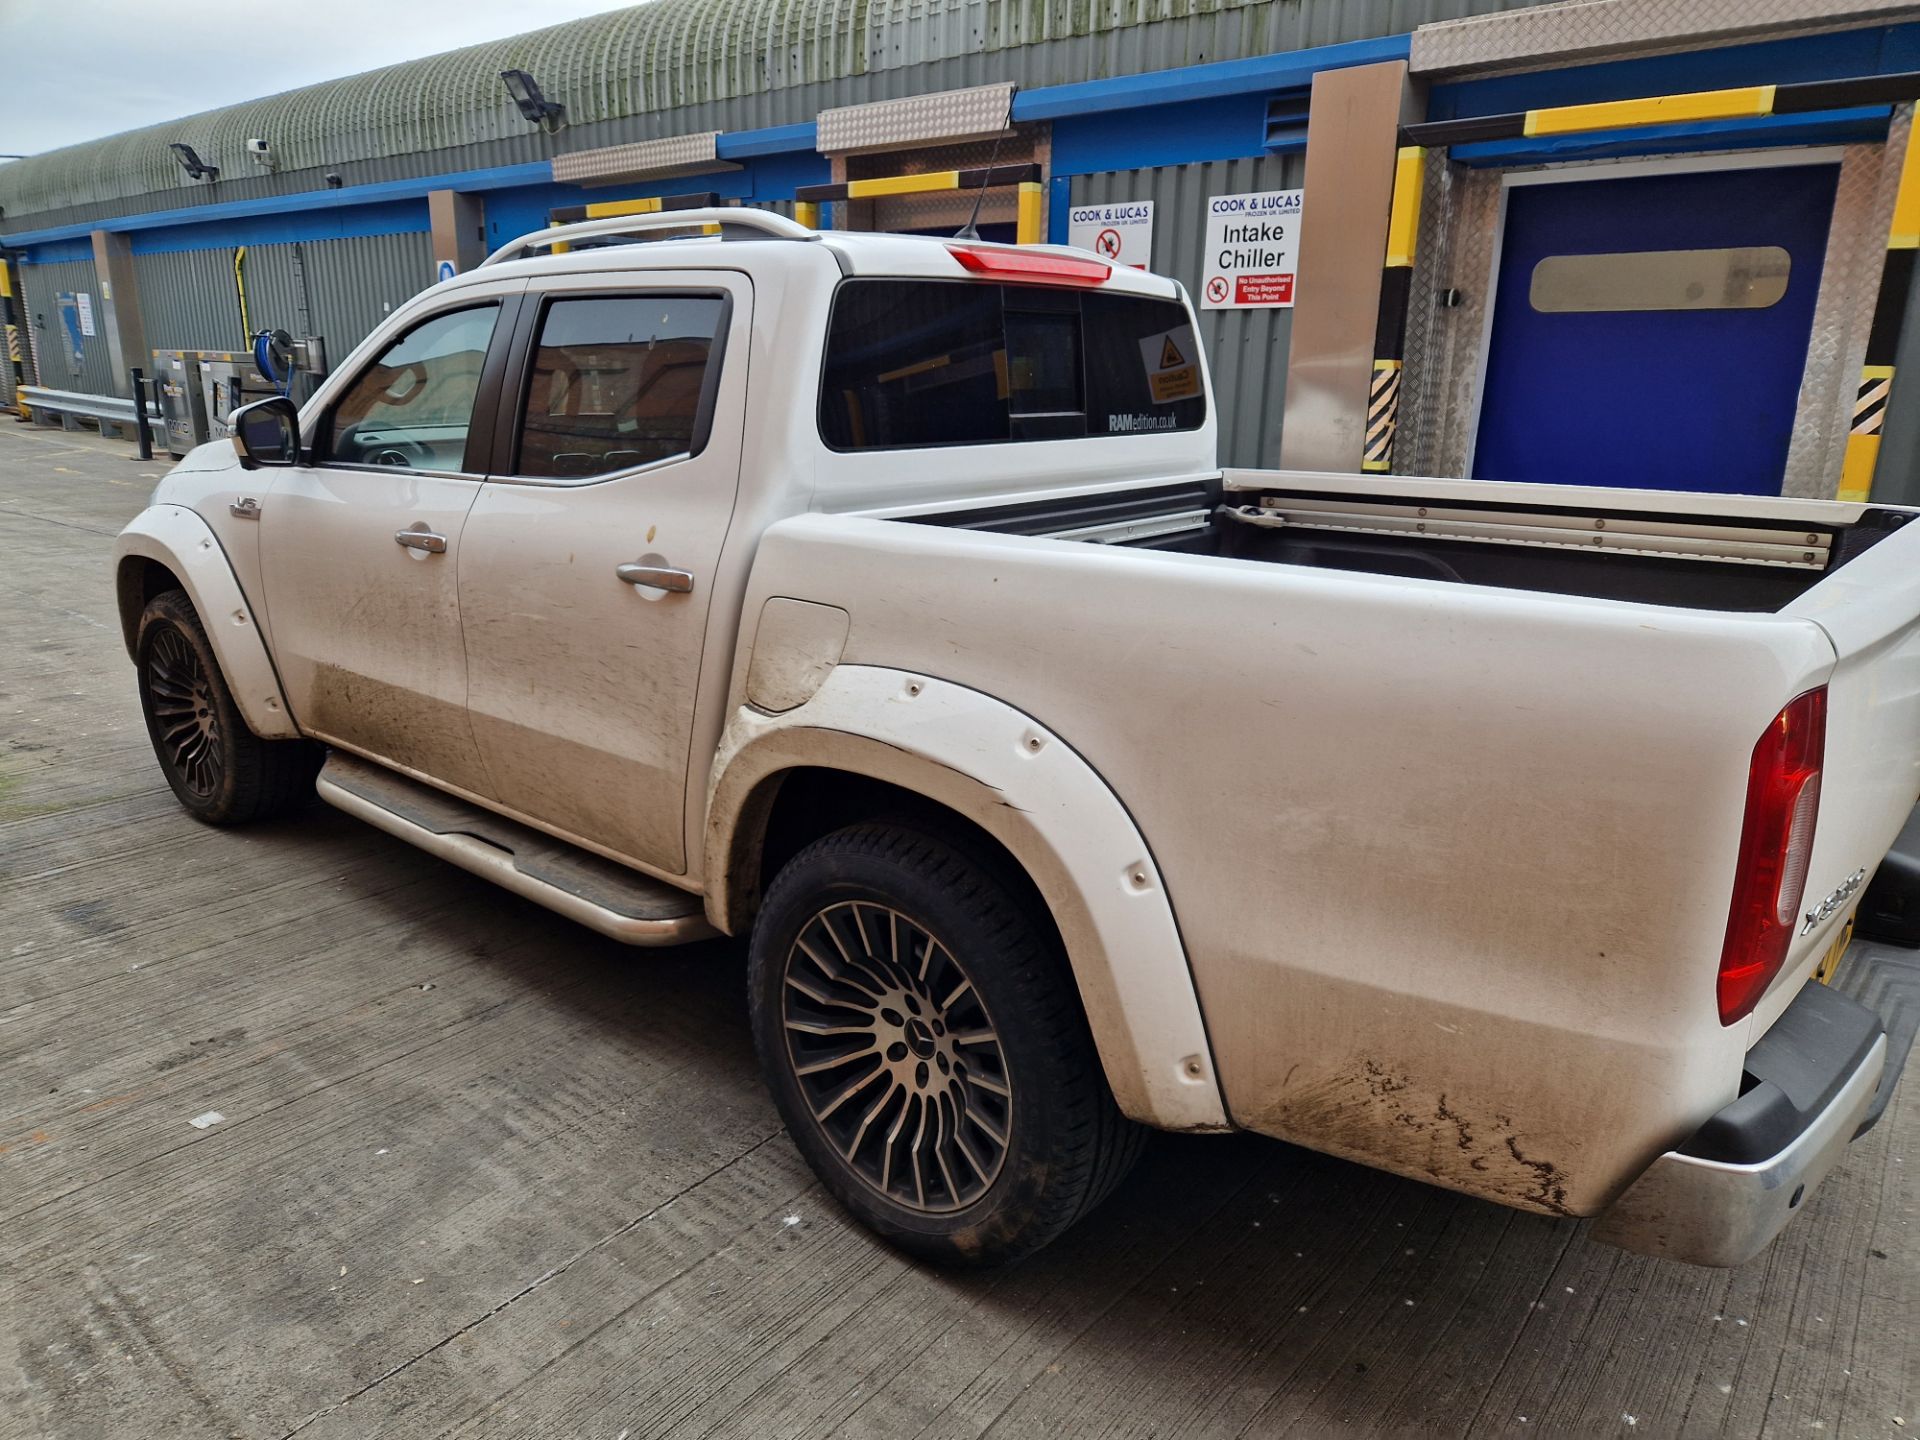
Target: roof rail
732	217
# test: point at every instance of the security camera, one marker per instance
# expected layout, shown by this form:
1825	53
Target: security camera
261	152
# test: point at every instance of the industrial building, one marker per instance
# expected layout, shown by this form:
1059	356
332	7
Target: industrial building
1653	242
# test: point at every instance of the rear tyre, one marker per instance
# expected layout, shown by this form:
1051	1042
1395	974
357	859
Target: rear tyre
220	770
924	1042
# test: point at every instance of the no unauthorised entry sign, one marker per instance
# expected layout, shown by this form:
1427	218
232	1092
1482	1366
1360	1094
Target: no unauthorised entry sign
1121	232
1252	250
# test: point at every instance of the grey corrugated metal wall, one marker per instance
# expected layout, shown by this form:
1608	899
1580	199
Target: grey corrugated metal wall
1246	349
43	283
188	301
340	289
355	284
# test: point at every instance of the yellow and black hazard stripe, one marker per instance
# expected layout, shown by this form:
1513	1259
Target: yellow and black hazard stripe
1026	178
1026	228
651	205
15	361
1396	293
1883	339
1863	431
1383	414
985	176
1743	103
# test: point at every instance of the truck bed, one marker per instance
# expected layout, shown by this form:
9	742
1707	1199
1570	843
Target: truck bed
1710	552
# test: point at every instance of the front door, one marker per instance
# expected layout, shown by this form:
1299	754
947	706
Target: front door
360	553
1651	331
590	556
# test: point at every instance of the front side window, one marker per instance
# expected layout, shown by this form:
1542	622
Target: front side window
921	363
618	381
412	408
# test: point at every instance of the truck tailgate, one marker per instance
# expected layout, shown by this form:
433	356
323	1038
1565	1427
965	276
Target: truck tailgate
1869	609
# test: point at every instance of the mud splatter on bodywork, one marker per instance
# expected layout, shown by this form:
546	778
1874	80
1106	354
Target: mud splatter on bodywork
1385	1117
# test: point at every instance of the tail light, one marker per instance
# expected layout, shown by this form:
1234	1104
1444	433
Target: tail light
1031	267
1776	842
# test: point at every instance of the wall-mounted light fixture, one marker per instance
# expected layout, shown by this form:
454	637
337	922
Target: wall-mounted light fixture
549	115
196	168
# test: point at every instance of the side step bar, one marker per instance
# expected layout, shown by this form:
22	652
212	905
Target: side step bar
621	904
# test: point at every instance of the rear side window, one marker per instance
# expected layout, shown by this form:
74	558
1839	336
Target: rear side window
617	381
920	363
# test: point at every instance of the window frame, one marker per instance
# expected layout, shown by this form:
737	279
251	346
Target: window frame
1013	437
480	429
518	381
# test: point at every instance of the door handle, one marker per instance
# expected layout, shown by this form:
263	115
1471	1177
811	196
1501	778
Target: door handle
421	540
660	577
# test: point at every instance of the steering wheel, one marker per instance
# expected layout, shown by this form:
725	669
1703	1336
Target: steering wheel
400	453
417	370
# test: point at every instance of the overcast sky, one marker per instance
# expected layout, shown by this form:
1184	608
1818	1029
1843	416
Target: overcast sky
80	69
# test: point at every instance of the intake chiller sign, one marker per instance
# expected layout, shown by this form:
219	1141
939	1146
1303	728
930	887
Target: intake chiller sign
1253	250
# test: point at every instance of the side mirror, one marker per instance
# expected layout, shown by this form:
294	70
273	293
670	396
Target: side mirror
266	432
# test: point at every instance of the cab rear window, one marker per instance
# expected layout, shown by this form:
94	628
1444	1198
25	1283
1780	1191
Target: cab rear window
914	364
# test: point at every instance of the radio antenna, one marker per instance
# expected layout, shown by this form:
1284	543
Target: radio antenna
971	230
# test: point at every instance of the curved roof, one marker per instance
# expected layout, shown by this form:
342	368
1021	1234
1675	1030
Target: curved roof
662	55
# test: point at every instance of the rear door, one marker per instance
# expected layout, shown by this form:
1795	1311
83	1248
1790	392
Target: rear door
590	554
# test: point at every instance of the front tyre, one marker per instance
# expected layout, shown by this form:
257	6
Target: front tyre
925	1044
220	770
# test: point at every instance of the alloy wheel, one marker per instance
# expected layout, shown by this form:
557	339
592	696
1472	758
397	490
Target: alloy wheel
896	1056
185	716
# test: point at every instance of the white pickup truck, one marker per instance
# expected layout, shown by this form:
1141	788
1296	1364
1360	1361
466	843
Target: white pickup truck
880	598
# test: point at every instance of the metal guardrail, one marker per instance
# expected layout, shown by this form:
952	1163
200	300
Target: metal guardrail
112	410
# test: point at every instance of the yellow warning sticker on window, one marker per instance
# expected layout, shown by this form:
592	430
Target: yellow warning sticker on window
1170	359
1171	385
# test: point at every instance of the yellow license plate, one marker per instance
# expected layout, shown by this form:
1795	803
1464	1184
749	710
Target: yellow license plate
1830	962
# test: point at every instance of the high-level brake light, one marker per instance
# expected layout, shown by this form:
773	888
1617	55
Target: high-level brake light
1031	267
1776	842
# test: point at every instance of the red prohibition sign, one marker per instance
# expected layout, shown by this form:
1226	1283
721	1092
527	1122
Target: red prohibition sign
1217	289
1107	242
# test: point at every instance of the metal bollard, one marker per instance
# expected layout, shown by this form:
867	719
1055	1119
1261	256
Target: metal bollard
140	412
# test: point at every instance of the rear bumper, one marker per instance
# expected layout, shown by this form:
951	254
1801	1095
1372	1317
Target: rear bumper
1809	1090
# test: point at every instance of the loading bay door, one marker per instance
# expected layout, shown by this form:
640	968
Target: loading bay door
1651	330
